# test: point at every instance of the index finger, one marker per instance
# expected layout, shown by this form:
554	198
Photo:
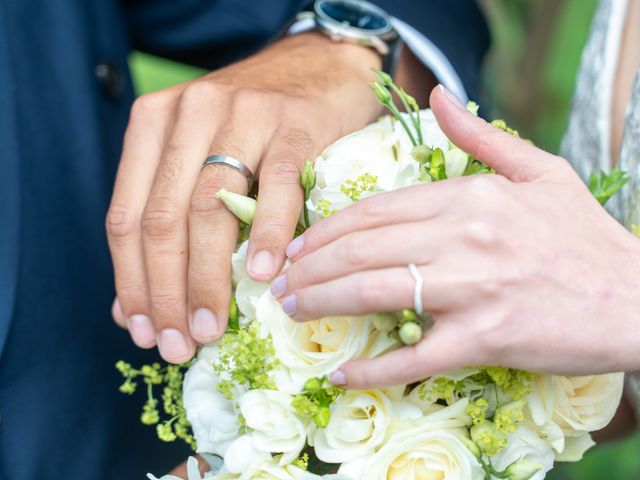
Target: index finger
410	204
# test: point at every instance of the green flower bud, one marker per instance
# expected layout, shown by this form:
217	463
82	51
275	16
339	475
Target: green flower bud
323	416
313	385
472	447
422	154
410	333
308	177
381	92
437	167
241	206
383	77
234	314
488	437
409	316
522	469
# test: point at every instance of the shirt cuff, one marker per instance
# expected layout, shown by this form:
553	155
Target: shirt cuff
432	58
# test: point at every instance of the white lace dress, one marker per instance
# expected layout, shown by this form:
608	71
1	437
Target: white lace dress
587	143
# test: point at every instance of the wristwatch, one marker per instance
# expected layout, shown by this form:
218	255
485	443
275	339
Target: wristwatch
353	21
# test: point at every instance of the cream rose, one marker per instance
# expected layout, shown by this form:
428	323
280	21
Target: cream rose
566	409
359	423
423	449
525	444
275	427
315	348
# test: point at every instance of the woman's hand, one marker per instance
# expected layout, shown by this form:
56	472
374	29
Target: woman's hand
171	240
523	269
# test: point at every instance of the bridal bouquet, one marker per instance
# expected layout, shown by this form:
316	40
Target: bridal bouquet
257	403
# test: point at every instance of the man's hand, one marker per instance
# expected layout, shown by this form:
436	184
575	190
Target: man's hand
523	269
171	240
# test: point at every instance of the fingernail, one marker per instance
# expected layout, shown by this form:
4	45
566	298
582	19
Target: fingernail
204	325
173	346
142	331
338	378
451	96
289	305
295	246
279	286
262	263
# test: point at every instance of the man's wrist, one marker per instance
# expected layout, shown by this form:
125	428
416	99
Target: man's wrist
360	57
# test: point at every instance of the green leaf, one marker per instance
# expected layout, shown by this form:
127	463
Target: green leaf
437	169
603	186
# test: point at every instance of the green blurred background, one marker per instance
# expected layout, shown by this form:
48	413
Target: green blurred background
528	80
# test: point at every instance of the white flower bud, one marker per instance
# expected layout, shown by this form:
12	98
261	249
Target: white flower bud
241	206
522	469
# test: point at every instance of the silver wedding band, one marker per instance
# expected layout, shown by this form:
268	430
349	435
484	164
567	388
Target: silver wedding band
417	291
230	162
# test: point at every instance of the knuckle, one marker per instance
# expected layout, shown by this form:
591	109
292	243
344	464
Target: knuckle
148	104
298	140
272	232
208	282
373	209
198	93
355	252
204	202
482	232
481	187
131	293
121	222
166	302
285	170
249	99
484	147
160	219
368	292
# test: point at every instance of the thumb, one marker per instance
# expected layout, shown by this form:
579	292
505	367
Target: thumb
510	156
444	348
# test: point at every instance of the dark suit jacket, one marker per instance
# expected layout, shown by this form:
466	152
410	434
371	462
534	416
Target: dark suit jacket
65	93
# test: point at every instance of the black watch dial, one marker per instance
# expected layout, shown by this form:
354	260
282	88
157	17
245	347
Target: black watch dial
354	14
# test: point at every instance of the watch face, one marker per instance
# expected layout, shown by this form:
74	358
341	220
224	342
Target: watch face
354	14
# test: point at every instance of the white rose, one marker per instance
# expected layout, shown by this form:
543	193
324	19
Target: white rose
315	348
422	449
371	150
566	409
524	443
271	470
275	426
213	418
358	424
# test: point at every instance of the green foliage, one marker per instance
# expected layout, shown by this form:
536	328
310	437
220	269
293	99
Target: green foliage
175	425
245	359
354	189
603	185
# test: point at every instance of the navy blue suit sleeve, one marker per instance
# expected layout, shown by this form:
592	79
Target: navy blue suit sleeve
213	33
207	33
457	27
